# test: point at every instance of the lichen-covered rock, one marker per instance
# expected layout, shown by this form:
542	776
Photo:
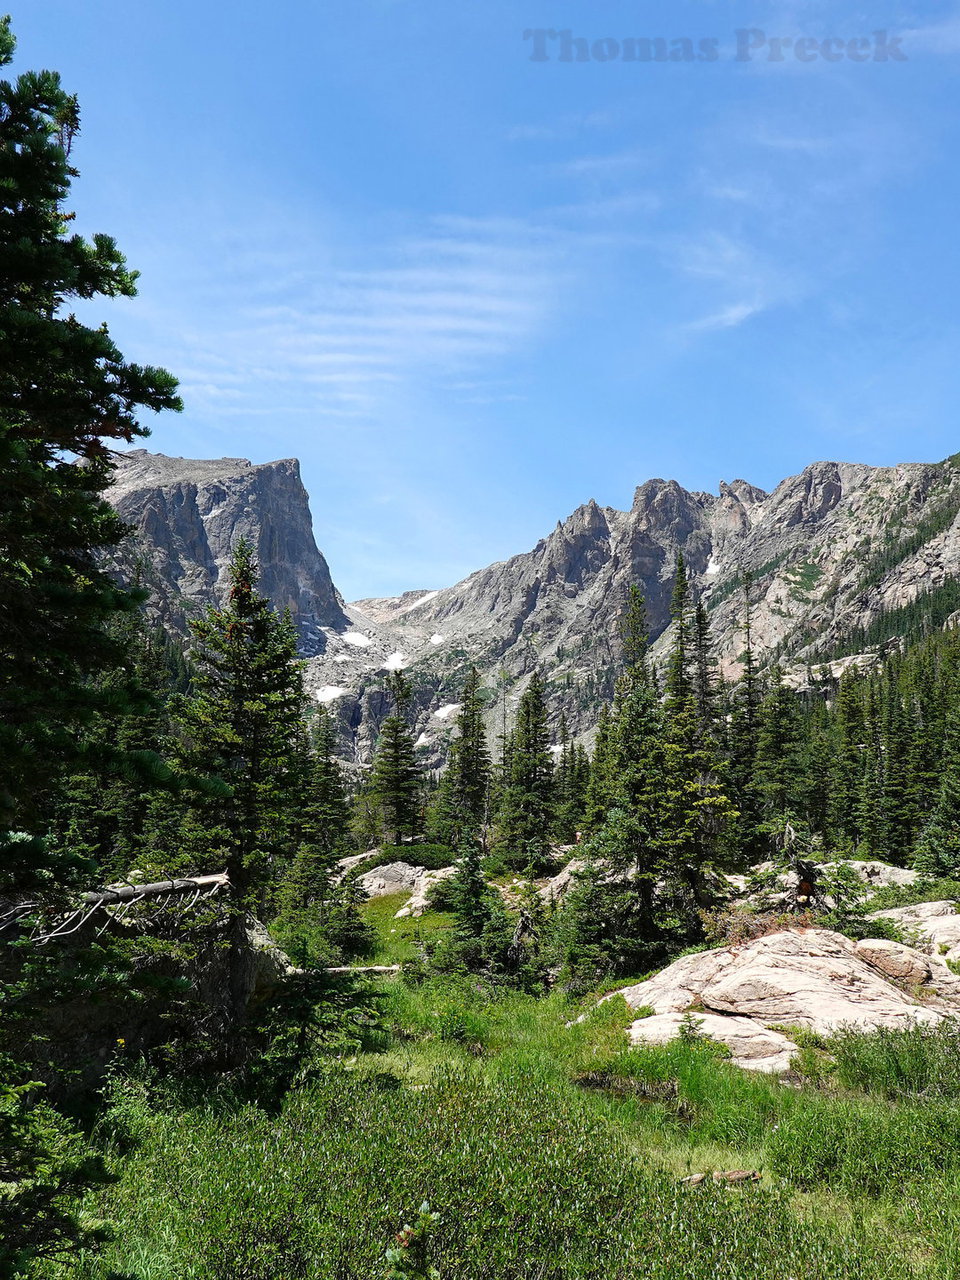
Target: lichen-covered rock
935	925
810	978
902	963
419	900
752	1046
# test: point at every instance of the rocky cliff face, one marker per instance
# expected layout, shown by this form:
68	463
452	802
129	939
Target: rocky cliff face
829	553
189	515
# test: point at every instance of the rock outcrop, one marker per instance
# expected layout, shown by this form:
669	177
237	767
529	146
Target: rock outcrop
188	517
935	925
811	978
752	1045
402	877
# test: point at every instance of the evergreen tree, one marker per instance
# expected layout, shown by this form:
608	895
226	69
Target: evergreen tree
65	393
325	824
602	792
779	771
464	794
743	731
243	724
524	820
395	780
696	810
938	846
569	789
704	677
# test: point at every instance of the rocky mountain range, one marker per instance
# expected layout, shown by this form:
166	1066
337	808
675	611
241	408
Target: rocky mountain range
840	558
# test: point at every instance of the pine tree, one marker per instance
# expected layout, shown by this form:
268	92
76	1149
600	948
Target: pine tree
464	794
743	730
395	780
697	812
602	792
65	393
243	725
325	824
704	677
779	774
938	847
525	816
568	788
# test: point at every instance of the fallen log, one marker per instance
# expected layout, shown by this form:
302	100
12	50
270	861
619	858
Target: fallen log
364	968
732	1177
129	892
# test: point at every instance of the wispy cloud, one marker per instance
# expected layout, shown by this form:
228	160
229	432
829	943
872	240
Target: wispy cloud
728	318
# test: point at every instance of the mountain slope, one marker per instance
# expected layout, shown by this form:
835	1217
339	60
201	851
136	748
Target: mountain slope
836	554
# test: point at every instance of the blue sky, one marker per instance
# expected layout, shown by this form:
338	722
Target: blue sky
470	290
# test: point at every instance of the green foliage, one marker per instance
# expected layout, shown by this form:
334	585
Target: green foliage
524	817
432	857
66	395
912	1062
463	800
243	724
409	1258
394	783
319	1188
45	1168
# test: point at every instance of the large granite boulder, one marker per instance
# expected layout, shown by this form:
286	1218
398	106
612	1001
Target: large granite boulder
402	877
935	925
752	1046
811	978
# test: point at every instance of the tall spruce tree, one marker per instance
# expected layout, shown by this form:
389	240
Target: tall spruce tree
779	771
395	781
743	731
525	817
696	810
463	797
243	724
66	394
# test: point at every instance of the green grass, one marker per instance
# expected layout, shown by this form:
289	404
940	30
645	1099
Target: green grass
485	1103
400	940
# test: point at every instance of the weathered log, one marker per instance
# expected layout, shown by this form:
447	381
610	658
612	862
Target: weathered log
364	968
732	1177
129	892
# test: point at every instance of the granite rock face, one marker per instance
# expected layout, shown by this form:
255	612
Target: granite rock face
811	978
188	517
829	552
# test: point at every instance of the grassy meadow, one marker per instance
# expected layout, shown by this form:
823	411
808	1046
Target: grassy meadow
550	1149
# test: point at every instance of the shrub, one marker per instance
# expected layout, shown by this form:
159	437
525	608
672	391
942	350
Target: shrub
918	1061
864	1146
432	857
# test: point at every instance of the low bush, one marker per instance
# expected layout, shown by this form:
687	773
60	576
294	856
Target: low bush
432	857
918	1061
865	1147
908	895
523	1190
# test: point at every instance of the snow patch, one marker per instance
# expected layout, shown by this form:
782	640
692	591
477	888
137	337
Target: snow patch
330	693
436	639
343	657
713	566
396	662
357	639
427	595
444	713
423	741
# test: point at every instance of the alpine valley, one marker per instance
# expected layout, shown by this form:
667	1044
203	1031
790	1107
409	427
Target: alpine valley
841	561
